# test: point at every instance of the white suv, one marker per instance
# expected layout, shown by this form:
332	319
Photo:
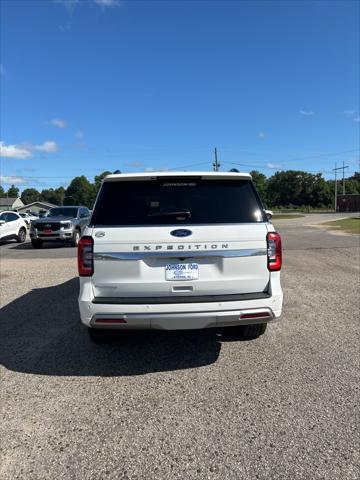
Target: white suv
179	251
12	226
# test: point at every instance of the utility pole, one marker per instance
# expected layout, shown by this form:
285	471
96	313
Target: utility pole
216	164
344	177
335	170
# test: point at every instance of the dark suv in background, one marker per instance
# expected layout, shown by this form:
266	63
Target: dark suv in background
65	224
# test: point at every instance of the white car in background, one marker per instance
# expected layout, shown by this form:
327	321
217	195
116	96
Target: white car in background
28	217
12	226
25	217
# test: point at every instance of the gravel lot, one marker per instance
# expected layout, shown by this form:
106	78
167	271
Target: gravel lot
200	405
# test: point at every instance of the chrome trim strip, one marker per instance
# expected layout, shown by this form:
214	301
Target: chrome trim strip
246	252
171	299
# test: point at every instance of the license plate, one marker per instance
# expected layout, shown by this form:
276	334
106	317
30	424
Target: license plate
182	271
47	232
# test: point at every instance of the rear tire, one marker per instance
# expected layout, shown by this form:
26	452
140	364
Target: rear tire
251	332
37	243
21	237
75	240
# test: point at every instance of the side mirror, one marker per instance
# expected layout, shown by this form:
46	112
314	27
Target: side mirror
2	222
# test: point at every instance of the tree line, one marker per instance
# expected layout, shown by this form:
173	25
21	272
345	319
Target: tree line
80	192
296	188
285	189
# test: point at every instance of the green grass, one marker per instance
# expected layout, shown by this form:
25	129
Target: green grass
286	215
348	225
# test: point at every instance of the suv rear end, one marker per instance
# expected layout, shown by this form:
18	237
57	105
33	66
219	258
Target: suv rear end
179	251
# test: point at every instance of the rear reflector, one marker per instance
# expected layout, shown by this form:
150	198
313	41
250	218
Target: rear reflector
110	320
255	315
274	251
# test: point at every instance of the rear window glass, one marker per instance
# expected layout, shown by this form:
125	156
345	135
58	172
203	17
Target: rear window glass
176	201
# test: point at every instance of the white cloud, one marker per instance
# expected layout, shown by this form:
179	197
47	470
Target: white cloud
135	164
352	115
108	3
68	4
14	151
48	147
306	112
159	169
58	122
261	135
23	152
273	165
12	180
79	134
66	26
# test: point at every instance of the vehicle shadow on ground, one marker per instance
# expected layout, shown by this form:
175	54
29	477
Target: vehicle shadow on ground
49	245
41	334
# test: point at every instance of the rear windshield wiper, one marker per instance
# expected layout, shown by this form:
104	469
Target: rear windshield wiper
179	213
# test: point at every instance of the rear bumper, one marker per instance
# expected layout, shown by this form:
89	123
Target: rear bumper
177	321
178	316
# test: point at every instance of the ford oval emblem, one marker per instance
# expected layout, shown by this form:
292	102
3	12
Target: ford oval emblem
181	232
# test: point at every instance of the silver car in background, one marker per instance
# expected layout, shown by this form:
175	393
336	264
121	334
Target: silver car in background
65	224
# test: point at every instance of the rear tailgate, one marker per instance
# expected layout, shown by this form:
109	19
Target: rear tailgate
133	262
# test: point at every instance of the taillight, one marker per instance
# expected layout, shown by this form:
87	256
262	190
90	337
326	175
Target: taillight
85	257
274	255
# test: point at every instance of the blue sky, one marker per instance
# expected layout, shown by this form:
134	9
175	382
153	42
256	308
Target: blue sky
97	85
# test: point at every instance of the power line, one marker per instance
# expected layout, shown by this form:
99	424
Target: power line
64	177
189	166
307	157
49	185
280	168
